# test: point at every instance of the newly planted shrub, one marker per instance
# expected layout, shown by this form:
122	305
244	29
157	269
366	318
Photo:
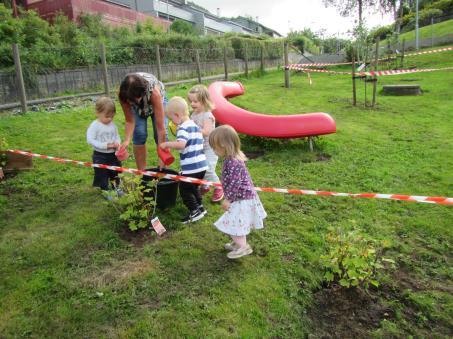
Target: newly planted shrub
3	148
353	259
136	204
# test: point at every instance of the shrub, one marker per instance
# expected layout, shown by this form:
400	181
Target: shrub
135	206
182	27
353	259
381	32
3	147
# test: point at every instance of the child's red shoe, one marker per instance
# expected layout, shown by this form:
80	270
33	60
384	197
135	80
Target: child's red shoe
218	195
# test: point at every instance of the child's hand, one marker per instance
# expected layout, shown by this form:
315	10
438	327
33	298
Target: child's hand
113	145
163	145
225	205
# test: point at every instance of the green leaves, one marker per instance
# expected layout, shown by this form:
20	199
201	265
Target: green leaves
352	259
137	204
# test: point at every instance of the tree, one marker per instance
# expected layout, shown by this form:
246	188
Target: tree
347	7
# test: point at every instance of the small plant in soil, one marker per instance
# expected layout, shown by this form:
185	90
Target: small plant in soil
3	148
353	259
136	204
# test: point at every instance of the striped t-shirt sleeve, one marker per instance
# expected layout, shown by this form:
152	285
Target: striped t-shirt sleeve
192	156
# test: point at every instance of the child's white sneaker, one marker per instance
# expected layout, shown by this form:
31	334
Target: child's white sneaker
240	252
230	246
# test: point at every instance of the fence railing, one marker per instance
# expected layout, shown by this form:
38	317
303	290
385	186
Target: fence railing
169	65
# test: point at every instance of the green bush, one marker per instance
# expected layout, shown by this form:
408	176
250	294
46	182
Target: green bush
3	147
446	6
381	32
182	27
424	18
135	208
353	259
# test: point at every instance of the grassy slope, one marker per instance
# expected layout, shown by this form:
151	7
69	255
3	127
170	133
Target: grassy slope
437	30
65	271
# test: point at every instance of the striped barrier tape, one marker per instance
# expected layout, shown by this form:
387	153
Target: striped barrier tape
370	73
402	197
348	63
431	51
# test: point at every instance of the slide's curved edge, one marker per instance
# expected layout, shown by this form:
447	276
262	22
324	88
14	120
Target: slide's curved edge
263	125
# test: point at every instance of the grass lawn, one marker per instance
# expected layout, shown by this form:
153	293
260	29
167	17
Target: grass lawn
68	268
440	29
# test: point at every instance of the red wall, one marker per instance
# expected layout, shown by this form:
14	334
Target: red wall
113	15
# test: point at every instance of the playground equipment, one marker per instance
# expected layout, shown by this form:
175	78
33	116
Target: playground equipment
262	125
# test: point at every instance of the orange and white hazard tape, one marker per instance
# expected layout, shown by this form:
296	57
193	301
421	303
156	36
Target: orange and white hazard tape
381	59
431	51
371	73
413	198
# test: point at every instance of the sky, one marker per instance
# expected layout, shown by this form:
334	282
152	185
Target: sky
284	16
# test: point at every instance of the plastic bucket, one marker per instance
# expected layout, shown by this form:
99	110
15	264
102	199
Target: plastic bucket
167	190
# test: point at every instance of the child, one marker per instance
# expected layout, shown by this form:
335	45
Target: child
202	116
103	136
243	208
189	141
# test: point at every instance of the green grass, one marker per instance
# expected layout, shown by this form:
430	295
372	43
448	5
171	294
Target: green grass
65	270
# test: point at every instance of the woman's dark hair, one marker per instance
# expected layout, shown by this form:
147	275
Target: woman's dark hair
133	86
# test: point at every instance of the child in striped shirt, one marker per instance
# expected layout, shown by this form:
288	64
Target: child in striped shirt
189	142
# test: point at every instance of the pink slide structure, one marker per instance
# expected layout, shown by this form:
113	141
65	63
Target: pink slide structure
263	125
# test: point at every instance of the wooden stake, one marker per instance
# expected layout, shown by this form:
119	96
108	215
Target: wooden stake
354	93
104	70
197	59
159	69
246	60
225	62
20	78
376	57
286	65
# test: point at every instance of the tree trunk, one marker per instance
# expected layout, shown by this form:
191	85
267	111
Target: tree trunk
360	4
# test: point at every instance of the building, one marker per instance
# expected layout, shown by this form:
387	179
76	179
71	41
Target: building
204	21
161	12
113	12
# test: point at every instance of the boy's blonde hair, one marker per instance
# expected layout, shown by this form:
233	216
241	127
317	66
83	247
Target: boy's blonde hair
105	106
226	139
202	95
177	105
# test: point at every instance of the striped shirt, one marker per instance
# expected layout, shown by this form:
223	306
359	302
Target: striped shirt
192	156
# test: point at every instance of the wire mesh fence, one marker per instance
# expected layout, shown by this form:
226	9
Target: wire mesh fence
87	75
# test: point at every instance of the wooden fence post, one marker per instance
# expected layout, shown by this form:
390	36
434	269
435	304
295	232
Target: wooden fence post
354	93
286	65
20	78
402	53
104	70
159	69
197	59
376	58
262	58
225	62
246	60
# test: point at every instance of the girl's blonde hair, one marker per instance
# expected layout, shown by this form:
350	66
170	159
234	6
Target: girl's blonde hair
105	105
225	139
202	95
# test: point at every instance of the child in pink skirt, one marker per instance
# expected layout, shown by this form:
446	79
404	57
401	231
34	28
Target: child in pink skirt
243	208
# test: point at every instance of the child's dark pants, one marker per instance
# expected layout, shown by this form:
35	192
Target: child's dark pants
102	176
190	195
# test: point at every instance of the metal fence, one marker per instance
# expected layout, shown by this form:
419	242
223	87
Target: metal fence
170	65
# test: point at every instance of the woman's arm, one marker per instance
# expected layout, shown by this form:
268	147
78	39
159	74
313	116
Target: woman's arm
158	109
130	122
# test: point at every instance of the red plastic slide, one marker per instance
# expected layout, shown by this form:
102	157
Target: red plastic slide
263	125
